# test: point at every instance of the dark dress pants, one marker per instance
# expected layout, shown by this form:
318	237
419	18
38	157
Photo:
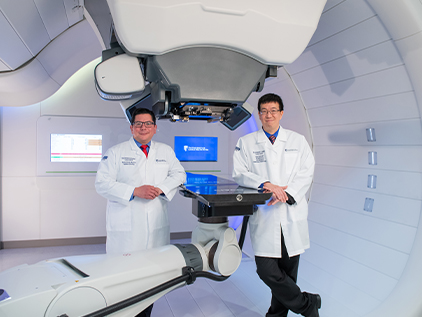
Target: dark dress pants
280	275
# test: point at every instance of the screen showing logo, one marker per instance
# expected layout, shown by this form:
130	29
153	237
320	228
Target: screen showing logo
196	148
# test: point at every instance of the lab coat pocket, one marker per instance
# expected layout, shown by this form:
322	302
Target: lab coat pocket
290	159
160	172
118	217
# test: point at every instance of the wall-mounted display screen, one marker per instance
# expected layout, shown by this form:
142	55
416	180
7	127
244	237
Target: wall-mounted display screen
196	148
76	148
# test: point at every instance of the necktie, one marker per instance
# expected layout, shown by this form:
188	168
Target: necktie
144	149
272	139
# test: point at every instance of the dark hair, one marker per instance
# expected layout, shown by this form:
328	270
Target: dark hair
142	111
270	98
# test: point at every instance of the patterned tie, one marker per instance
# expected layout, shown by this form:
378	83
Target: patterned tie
272	139
144	149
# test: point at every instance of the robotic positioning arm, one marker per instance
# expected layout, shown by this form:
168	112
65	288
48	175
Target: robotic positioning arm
124	285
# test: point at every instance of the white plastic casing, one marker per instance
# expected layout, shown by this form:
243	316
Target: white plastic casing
155	27
120	74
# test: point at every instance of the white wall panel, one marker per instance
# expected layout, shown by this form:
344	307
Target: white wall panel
15	53
343	16
401	184
396	236
411	50
363	35
372	59
398	106
368	280
372	255
385	207
399	158
402	18
19	141
73	213
353	75
401	132
26	20
20	208
389	81
54	17
344	293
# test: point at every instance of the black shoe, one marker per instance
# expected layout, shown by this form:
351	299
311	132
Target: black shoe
318	301
314	305
317	305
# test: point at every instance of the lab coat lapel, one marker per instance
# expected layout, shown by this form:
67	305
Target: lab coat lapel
150	163
262	138
135	147
147	176
280	141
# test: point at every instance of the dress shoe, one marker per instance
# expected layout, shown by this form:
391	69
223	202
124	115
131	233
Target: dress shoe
317	305
318	300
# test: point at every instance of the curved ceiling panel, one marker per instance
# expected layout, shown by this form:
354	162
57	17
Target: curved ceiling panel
27	26
48	71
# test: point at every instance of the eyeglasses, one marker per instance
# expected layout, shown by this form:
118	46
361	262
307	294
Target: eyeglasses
272	111
139	124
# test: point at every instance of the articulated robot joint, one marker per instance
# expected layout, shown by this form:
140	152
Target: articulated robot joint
220	244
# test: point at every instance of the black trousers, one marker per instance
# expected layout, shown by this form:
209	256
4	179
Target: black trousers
146	312
280	275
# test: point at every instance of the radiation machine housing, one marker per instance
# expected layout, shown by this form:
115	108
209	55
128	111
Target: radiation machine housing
200	60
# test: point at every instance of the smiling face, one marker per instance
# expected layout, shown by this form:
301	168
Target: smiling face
143	134
270	116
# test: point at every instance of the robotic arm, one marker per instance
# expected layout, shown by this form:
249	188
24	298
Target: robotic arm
124	285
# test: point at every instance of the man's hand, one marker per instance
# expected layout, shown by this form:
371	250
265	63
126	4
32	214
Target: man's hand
279	194
147	192
273	201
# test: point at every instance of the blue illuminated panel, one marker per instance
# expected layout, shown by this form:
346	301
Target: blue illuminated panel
196	148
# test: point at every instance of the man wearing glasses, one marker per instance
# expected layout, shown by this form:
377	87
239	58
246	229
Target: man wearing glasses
138	177
279	161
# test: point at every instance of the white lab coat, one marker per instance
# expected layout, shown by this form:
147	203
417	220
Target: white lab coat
140	223
289	161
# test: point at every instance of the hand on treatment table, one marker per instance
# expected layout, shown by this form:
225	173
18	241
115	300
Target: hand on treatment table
147	192
279	194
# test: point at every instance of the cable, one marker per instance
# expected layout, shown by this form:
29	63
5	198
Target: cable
243	231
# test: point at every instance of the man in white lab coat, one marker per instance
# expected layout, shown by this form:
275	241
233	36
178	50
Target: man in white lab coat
278	161
138	177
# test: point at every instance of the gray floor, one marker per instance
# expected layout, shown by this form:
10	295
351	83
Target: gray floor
243	294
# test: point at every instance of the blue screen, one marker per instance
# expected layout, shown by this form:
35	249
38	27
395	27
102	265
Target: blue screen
196	148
